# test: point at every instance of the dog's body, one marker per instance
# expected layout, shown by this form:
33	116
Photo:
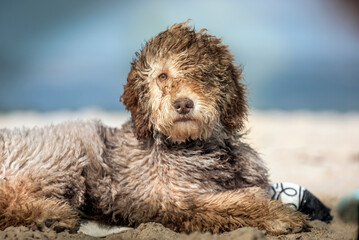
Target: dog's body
180	161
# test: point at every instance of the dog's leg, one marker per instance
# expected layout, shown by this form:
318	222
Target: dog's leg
229	210
23	204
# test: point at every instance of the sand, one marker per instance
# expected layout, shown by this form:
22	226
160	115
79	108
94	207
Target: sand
317	150
319	230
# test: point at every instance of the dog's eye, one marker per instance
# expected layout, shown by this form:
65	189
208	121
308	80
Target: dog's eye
162	76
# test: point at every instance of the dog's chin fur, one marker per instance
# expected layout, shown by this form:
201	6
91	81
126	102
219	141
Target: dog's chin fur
182	131
191	128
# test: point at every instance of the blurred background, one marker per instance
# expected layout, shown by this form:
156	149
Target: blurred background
69	59
296	55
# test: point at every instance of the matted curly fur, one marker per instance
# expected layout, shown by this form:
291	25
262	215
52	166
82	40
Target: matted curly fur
180	161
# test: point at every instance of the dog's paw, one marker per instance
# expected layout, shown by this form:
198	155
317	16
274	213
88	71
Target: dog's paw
70	225
279	227
285	222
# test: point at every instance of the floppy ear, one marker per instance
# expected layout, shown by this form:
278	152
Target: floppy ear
235	111
131	99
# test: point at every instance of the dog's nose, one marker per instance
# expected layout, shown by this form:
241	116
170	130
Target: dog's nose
183	105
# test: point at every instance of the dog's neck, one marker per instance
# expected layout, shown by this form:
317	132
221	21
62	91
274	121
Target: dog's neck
161	142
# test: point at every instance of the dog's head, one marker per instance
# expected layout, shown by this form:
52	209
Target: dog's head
185	85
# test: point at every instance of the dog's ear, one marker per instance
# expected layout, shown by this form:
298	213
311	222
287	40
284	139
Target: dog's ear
234	112
131	99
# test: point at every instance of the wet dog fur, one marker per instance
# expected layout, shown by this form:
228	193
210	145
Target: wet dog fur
179	161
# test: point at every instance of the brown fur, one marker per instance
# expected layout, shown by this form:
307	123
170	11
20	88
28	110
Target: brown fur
189	172
23	203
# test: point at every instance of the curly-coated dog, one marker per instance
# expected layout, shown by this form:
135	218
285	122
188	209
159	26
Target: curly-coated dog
179	161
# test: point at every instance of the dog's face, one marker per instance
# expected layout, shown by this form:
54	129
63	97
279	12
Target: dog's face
184	84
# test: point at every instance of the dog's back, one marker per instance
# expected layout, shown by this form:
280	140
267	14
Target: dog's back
48	150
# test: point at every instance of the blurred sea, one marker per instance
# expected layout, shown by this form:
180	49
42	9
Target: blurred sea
76	54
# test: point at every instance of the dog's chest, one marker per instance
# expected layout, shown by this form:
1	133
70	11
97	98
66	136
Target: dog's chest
158	175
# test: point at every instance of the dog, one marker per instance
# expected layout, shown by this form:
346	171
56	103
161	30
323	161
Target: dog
180	160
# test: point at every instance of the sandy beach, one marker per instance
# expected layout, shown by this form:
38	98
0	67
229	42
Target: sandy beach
319	151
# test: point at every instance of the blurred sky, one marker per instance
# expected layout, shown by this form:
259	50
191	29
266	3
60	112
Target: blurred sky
75	54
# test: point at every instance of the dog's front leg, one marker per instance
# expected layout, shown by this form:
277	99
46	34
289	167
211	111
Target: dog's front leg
23	203
229	210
